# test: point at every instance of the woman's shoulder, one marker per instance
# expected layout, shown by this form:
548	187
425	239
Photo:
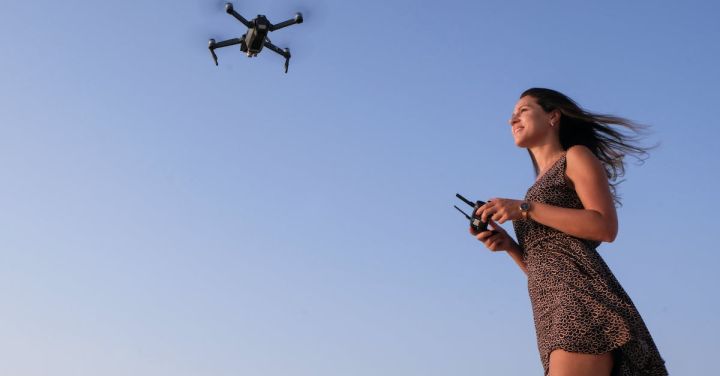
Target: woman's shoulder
580	157
576	152
581	163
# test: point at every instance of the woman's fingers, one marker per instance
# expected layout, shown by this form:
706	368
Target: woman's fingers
496	227
499	210
482	236
486	210
491	211
495	237
481	209
492	242
495	209
495	242
491	239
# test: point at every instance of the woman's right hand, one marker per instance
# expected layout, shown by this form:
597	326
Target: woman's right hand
495	240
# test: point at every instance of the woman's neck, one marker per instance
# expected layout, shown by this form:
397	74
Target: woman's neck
546	155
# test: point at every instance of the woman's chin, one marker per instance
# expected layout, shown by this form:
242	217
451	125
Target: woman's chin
519	142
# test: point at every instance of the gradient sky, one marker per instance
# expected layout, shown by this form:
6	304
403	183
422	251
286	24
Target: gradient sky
160	215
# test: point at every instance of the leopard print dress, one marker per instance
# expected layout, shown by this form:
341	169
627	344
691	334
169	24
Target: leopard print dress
578	304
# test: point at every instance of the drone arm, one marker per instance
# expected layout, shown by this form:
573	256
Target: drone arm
229	9
298	19
284	53
226	43
212	45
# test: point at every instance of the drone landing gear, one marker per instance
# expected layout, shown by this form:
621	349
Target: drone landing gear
212	45
284	53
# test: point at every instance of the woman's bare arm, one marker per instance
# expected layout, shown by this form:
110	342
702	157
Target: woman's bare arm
598	219
517	255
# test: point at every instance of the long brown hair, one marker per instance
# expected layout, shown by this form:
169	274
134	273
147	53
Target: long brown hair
581	127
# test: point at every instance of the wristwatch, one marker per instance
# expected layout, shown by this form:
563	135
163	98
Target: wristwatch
524	209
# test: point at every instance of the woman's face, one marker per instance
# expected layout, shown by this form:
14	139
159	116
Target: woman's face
530	123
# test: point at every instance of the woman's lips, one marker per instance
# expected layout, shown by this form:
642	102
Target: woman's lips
517	129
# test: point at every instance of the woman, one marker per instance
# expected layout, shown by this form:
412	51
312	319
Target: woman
585	322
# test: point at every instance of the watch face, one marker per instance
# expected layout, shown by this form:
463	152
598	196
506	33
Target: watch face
524	206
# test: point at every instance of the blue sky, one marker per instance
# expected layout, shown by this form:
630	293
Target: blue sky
160	215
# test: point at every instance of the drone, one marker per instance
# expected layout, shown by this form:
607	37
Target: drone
253	41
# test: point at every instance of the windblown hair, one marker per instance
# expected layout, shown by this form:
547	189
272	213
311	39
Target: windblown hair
599	132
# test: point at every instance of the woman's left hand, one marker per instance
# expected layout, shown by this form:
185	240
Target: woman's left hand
500	210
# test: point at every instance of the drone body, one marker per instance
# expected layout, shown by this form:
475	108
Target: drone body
253	41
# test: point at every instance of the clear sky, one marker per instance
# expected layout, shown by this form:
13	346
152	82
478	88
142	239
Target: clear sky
160	215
